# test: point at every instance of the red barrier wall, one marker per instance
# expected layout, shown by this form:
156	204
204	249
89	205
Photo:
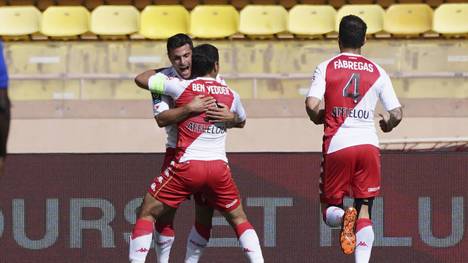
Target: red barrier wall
78	208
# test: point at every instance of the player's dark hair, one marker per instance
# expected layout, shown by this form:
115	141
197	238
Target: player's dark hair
203	63
352	32
177	41
209	50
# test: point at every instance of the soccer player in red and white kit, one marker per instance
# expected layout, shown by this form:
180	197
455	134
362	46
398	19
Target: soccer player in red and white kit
171	193
350	86
179	48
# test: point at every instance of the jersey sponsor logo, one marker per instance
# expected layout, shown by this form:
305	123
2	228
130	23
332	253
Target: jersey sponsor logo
353	65
205	128
350	113
373	189
215	90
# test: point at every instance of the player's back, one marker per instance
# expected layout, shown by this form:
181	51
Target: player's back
353	85
198	138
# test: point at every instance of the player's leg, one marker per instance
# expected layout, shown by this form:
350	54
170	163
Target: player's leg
335	178
4	127
331	194
224	195
364	230
166	193
246	234
142	234
164	235
201	230
366	186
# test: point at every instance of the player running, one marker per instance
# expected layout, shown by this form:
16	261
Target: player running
4	111
179	48
350	86
201	165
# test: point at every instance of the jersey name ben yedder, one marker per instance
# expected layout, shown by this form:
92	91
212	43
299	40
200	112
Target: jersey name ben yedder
350	86
198	139
163	102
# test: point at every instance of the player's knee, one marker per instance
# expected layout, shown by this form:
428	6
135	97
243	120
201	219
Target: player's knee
333	215
236	216
364	205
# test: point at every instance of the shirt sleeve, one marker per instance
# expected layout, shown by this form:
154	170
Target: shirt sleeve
3	69
387	94
238	108
160	103
164	85
317	88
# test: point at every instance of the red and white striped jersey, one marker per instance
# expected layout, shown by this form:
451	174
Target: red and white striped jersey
198	139
350	86
162	103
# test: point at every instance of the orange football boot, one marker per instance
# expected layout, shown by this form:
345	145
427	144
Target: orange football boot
347	235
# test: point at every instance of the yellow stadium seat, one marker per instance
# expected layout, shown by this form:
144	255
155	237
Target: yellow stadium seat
164	21
311	19
408	19
451	19
19	21
263	20
119	20
65	21
215	21
371	14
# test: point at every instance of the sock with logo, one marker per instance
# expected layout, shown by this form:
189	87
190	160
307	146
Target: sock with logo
140	240
163	240
249	242
196	242
333	216
364	240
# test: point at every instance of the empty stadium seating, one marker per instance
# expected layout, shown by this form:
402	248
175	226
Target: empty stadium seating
163	21
371	14
451	19
115	20
220	21
216	21
263	21
311	20
65	21
19	21
408	19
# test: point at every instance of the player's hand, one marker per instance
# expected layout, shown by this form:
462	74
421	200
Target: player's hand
384	124
221	113
200	103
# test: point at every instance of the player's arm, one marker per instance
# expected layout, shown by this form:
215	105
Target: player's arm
175	115
141	80
316	115
315	96
237	110
390	103
222	113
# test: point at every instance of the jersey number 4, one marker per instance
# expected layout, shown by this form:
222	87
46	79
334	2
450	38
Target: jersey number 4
351	89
